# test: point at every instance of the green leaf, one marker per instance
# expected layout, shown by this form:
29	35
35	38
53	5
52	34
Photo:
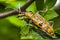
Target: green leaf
57	22
31	8
50	15
32	35
14	20
39	4
50	3
57	30
2	0
24	31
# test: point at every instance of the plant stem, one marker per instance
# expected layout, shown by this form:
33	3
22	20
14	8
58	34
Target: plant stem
16	11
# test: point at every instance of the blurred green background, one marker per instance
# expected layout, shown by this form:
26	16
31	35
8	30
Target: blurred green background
11	28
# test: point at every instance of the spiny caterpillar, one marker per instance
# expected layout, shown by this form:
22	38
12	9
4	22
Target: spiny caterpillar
38	20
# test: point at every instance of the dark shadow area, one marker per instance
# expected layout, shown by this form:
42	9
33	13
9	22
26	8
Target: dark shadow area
58	35
41	33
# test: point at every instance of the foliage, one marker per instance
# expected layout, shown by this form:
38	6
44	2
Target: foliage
13	28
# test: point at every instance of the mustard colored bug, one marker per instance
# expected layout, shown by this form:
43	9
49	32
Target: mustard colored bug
39	20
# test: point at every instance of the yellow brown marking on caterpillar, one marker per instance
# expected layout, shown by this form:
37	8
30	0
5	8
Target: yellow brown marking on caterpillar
43	24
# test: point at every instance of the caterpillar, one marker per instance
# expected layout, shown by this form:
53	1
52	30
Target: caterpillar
39	20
